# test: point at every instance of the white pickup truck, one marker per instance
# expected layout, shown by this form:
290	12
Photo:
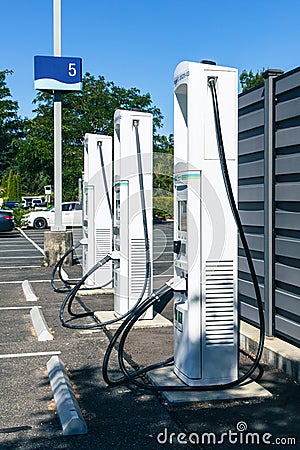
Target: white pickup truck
71	216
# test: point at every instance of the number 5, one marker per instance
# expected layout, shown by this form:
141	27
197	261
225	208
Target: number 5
72	69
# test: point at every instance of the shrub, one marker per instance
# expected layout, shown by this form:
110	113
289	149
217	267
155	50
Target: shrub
18	216
163	207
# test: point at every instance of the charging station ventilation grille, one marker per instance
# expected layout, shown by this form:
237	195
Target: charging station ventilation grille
219	303
102	243
138	266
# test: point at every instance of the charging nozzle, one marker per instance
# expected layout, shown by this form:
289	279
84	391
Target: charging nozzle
115	255
177	284
135	122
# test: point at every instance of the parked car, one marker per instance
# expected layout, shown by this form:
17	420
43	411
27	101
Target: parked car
6	220
38	204
11	204
71	216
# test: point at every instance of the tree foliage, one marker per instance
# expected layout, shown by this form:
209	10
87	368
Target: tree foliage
10	125
250	80
12	186
88	111
163	165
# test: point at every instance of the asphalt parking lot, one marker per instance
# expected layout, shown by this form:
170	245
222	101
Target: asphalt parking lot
124	417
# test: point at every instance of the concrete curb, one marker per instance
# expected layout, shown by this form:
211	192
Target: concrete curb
99	291
28	291
39	324
68	410
277	353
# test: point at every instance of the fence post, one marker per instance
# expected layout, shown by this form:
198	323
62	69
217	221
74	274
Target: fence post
269	202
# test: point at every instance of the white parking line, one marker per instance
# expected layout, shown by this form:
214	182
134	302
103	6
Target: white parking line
26	355
7	308
163	276
19	267
21	257
20	282
17	250
31	241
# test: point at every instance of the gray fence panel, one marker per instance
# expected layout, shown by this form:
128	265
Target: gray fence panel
252	218
250	99
287	328
287	82
287	247
287	164
288	192
288	109
251	145
287	220
270	212
287	137
287	206
251	169
254	120
255	242
254	193
287	274
258	265
251	193
288	302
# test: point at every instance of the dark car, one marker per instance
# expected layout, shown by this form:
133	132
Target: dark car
11	204
6	220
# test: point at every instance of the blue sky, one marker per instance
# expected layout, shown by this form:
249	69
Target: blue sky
138	43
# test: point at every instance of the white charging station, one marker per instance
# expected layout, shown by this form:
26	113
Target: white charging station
97	207
133	132
205	234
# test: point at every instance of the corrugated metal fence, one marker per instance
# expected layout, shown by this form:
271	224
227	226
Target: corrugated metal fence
269	200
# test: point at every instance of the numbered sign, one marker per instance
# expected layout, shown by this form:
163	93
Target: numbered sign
57	73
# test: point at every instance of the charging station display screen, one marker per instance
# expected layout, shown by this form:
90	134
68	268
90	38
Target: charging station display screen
182	215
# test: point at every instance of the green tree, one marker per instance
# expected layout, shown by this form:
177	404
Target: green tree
88	111
4	182
18	184
250	80
10	125
10	186
163	165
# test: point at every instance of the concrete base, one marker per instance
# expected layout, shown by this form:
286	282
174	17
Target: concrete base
100	291
56	243
156	322
166	377
276	353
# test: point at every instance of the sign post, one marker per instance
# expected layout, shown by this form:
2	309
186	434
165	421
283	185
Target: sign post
57	74
57	125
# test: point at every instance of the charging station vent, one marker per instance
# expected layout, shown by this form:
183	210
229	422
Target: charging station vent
138	266
219	303
103	246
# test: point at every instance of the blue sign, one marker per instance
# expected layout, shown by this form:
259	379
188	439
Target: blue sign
57	73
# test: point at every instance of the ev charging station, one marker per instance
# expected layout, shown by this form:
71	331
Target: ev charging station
205	235
206	221
133	154
97	208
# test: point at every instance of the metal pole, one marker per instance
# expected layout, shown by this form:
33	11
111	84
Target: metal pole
57	27
57	125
